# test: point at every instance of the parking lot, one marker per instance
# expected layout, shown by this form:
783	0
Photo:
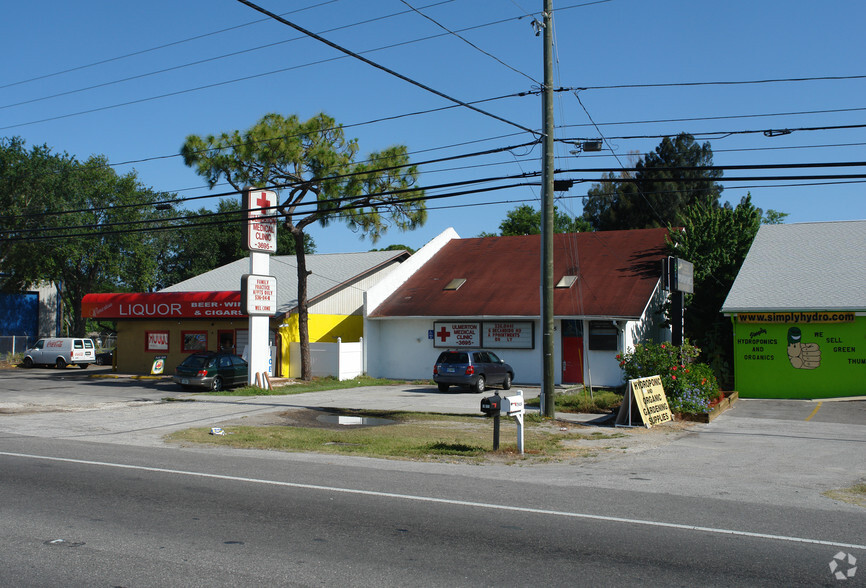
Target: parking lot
774	451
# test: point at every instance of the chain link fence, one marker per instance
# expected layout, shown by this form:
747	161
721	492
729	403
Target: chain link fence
12	344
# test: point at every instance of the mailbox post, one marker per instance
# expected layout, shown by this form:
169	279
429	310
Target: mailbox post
491	407
514	406
510	406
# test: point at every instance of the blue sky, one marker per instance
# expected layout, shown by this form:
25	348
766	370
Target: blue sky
145	97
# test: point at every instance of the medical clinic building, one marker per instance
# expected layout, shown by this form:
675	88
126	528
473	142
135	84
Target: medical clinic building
484	292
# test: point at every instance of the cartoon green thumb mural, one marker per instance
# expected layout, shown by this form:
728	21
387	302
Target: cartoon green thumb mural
803	356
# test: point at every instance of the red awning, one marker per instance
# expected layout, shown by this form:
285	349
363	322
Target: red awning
162	305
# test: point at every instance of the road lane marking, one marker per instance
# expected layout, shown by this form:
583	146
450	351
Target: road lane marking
430	499
814	412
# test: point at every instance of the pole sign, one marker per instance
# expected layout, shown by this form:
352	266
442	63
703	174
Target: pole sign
258	295
681	275
260	224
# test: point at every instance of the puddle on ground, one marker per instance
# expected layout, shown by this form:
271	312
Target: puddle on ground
337	419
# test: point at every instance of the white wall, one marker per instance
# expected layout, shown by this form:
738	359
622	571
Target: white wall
340	360
401	349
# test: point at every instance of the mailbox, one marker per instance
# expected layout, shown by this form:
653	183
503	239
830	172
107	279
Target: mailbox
491	405
513	405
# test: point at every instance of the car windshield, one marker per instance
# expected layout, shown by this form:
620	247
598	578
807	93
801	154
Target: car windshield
195	361
453	358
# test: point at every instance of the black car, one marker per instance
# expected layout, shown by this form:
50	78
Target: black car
475	368
212	370
105	357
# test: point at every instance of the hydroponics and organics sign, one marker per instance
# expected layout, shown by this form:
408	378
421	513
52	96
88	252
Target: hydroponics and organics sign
800	354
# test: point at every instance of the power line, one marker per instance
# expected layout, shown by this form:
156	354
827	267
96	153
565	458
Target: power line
470	43
157	48
209	59
99	230
290	184
381	67
725	134
719	83
63	231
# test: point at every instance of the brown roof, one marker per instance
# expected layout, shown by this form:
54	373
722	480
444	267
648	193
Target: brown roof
617	273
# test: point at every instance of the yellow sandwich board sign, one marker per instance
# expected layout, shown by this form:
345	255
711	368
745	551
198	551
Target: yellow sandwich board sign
645	402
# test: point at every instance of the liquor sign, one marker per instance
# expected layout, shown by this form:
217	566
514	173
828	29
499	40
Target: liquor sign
260	224
162	305
259	295
457	334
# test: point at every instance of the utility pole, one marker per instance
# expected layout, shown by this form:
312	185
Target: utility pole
547	167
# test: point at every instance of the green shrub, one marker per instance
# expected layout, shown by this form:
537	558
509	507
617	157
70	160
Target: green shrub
690	386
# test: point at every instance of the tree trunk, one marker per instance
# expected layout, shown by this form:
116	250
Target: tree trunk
303	319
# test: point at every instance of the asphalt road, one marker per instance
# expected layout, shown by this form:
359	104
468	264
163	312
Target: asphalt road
91	495
79	513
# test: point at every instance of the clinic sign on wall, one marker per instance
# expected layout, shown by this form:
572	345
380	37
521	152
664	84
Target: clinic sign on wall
492	334
800	354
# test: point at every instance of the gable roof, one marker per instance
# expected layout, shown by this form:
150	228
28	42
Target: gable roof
805	266
329	272
618	271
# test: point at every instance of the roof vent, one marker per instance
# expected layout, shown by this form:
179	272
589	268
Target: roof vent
455	284
566	282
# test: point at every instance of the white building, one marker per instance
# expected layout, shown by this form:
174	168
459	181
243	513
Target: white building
484	292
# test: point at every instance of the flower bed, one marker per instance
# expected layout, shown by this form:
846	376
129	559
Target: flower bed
717	407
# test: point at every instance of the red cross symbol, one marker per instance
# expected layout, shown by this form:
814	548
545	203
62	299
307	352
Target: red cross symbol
262	201
444	334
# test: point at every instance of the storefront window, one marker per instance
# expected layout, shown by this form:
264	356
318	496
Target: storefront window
156	341
194	341
603	336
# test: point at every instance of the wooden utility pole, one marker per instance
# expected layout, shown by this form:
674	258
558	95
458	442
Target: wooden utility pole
547	167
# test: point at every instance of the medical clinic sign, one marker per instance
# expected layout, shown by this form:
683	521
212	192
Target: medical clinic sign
162	305
260	226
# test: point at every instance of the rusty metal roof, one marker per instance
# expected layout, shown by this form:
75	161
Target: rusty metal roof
617	272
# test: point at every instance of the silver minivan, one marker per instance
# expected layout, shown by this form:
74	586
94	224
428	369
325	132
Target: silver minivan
60	352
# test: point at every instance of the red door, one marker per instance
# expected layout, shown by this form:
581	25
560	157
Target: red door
572	352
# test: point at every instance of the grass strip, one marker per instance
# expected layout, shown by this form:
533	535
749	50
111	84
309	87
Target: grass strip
413	436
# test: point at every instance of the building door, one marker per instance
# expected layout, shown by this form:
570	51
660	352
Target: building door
226	341
572	352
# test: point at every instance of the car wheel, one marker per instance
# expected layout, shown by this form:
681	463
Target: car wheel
217	384
444	387
60	363
83	365
28	362
506	384
100	361
479	385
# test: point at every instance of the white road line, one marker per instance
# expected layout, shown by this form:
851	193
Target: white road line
446	501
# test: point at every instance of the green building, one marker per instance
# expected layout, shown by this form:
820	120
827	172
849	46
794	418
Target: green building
798	308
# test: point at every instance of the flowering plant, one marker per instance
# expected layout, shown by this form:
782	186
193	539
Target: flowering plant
689	386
